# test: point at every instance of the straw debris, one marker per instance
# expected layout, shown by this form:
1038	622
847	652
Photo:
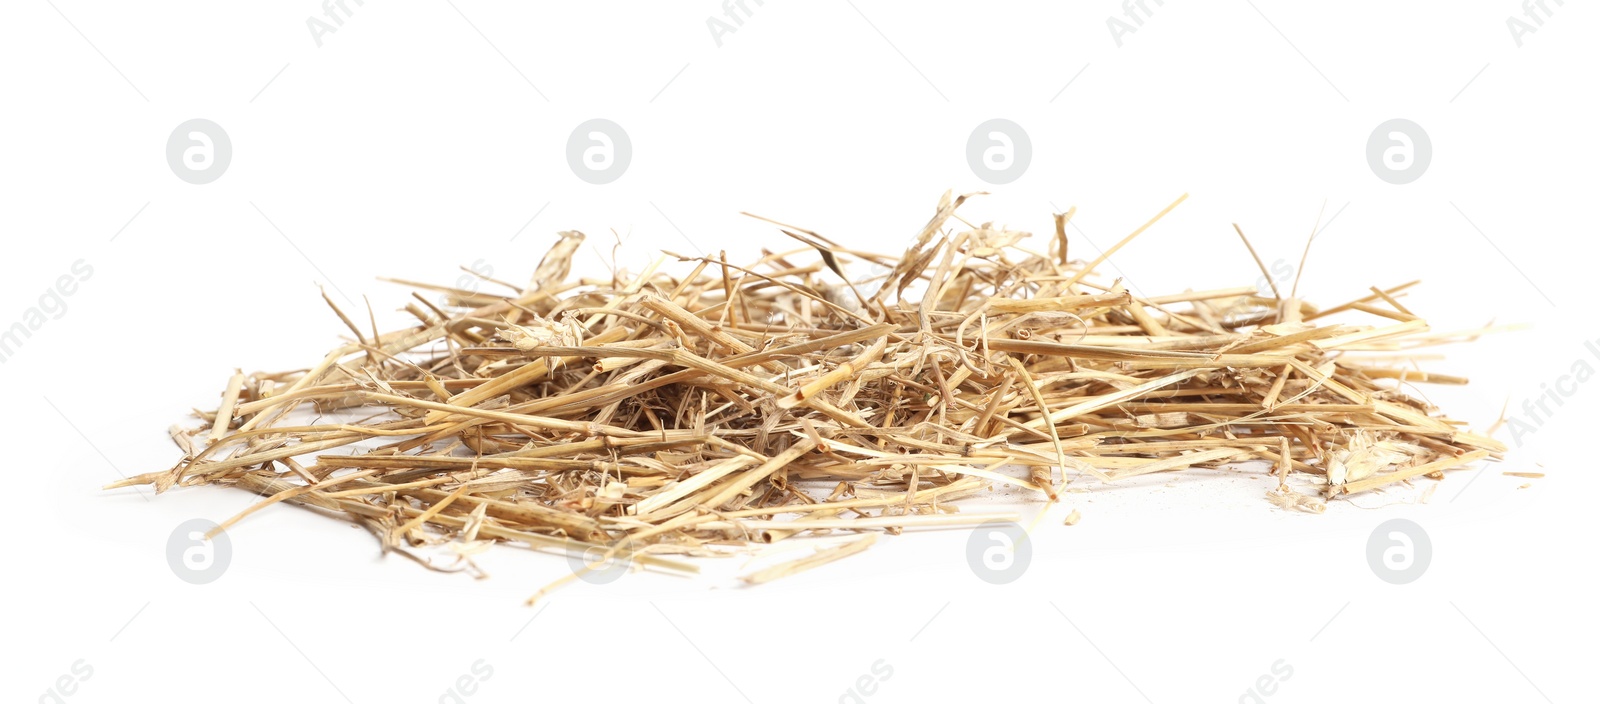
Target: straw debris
701	404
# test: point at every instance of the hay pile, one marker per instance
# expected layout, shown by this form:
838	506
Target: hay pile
679	412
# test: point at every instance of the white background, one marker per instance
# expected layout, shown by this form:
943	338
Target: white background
424	135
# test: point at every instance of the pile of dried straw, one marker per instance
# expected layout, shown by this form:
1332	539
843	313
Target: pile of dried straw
679	412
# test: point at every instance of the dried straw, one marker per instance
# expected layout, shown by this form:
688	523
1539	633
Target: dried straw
679	413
